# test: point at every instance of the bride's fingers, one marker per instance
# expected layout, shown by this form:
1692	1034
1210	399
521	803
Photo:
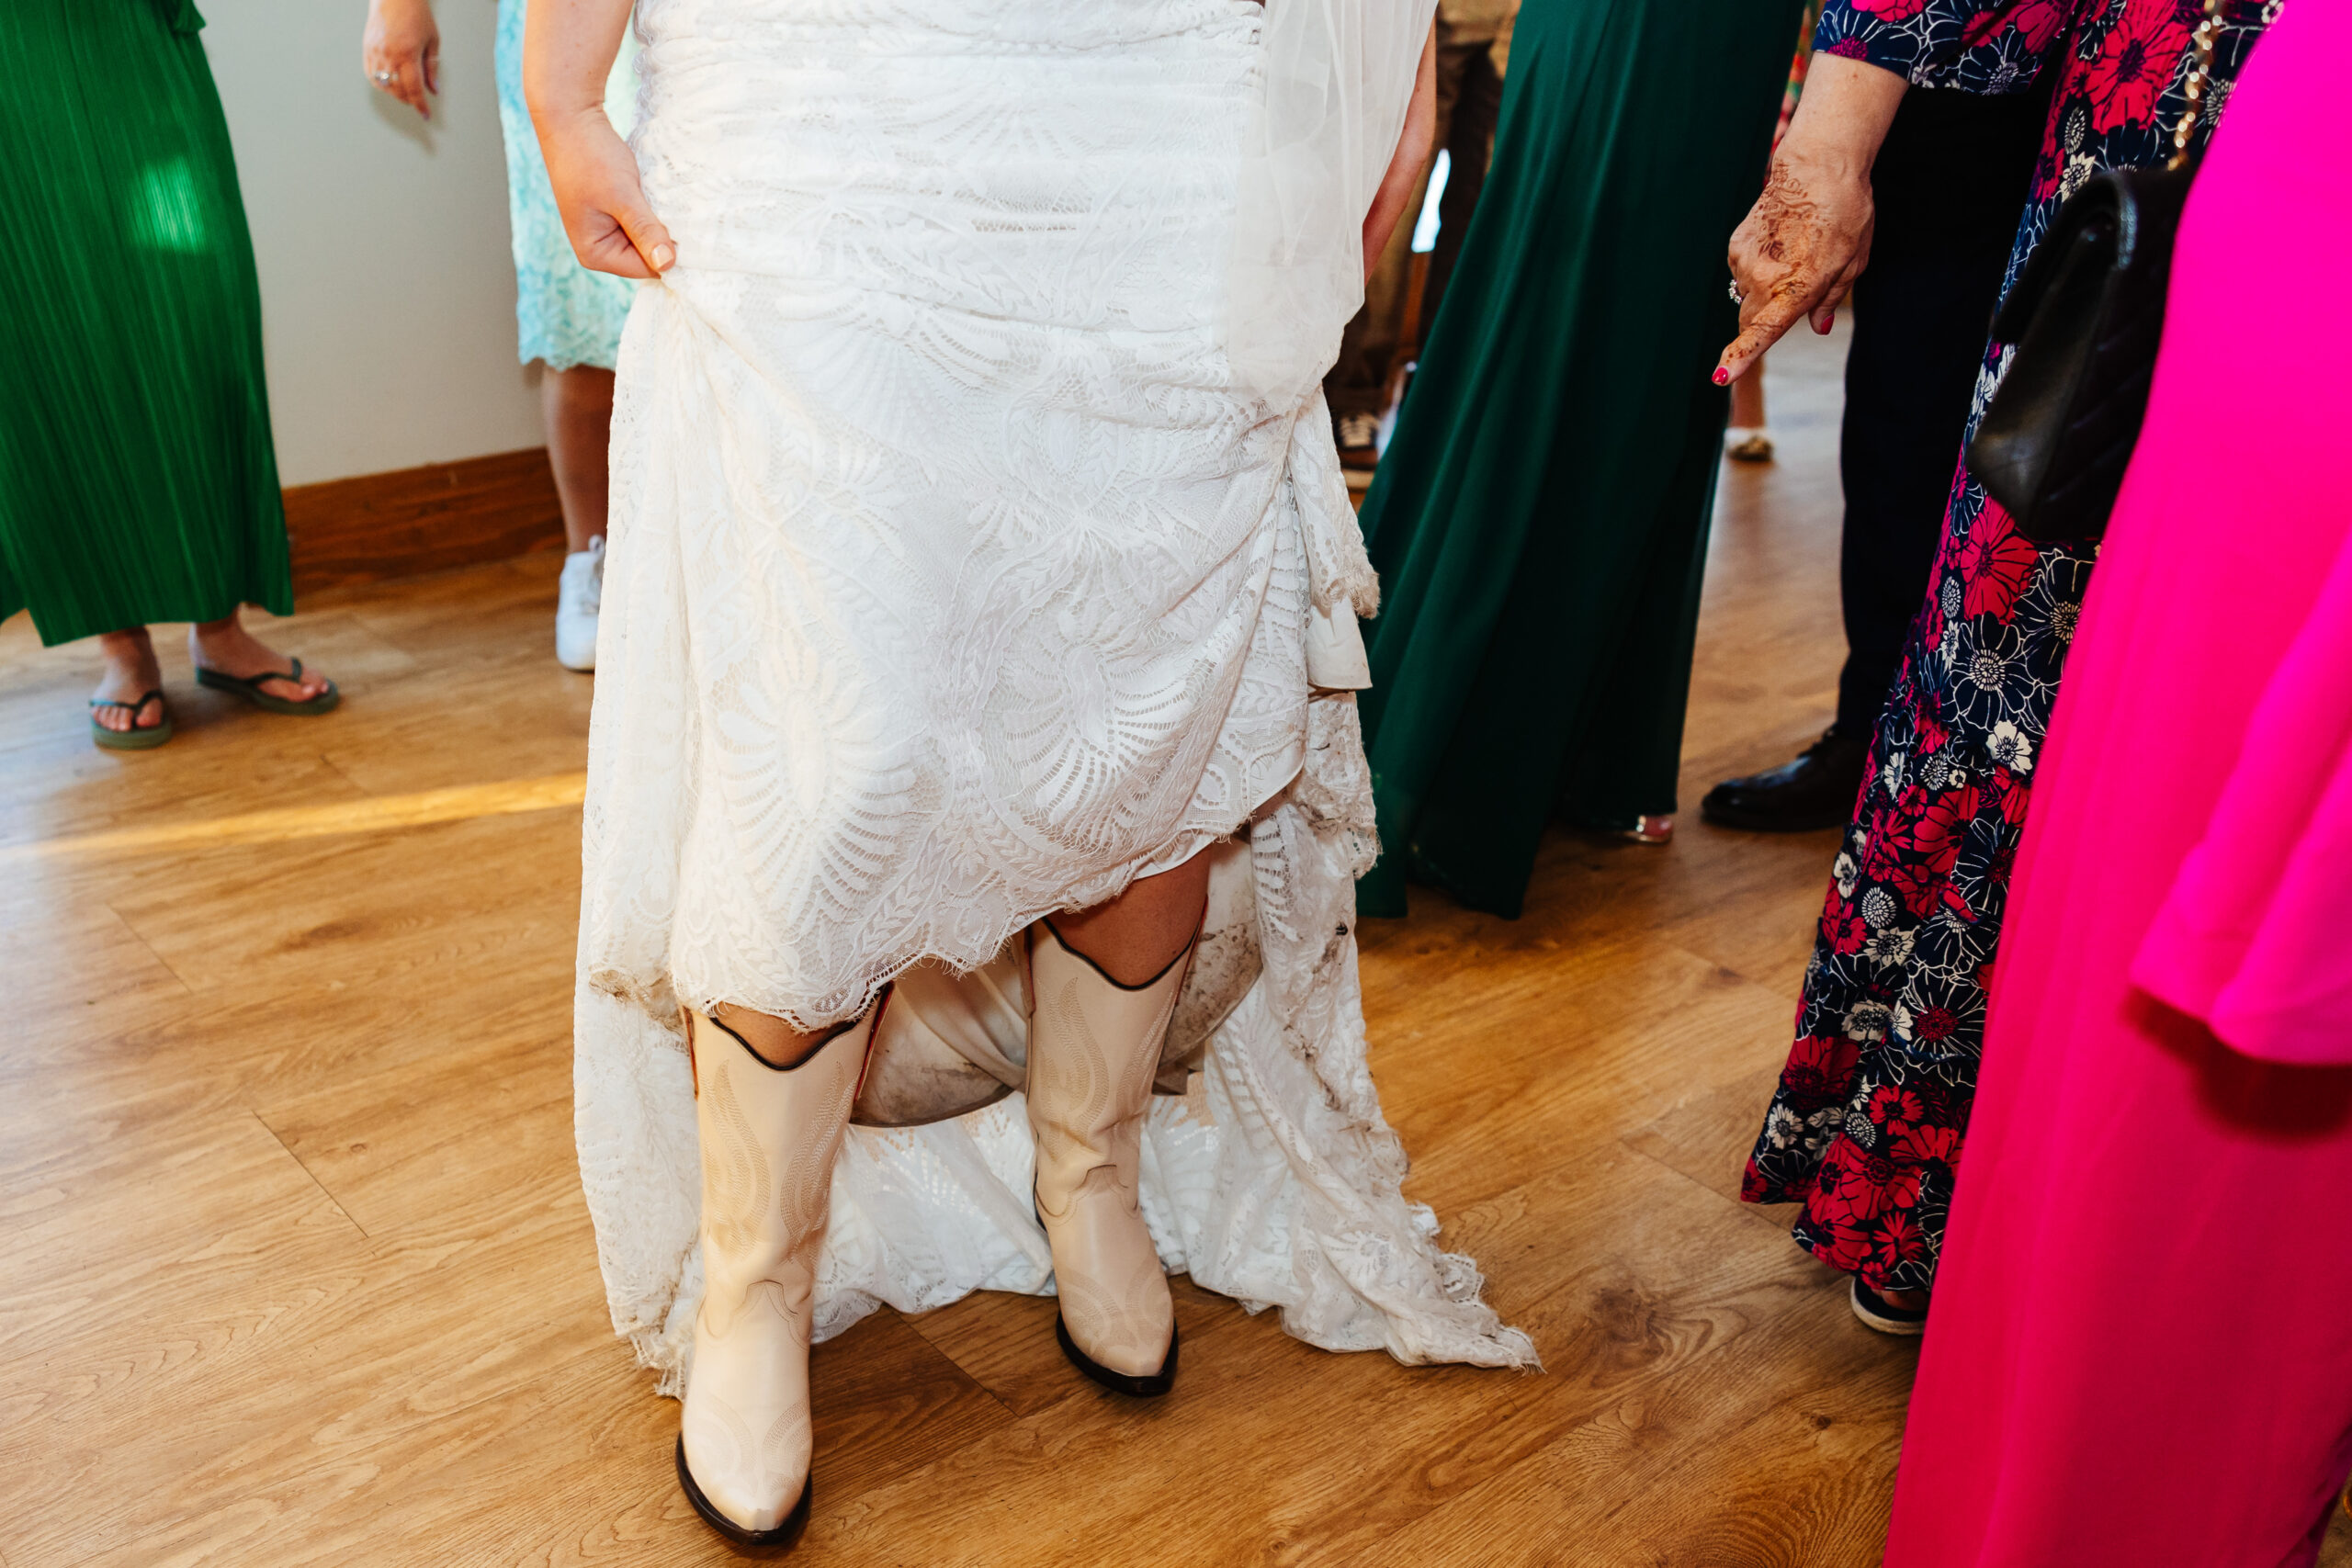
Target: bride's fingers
650	240
604	242
604	245
612	226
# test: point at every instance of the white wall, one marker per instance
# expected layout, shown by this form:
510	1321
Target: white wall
387	285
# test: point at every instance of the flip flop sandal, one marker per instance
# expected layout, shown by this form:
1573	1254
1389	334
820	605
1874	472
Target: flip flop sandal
134	738
250	688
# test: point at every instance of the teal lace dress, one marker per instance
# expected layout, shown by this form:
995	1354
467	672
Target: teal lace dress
564	314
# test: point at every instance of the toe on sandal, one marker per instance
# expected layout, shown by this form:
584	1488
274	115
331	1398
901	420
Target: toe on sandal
250	688
135	739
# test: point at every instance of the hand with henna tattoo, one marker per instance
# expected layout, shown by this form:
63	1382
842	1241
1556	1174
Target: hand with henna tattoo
1809	236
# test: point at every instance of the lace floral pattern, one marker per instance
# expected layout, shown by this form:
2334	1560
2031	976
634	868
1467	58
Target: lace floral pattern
951	584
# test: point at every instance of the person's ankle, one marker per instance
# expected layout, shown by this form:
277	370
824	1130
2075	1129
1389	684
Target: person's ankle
129	663
207	640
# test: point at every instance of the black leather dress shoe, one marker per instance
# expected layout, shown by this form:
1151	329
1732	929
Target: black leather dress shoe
1815	791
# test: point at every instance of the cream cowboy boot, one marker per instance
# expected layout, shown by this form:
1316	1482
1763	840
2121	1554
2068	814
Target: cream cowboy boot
769	1137
1093	1047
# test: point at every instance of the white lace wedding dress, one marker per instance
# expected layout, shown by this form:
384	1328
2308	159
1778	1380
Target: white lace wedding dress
964	567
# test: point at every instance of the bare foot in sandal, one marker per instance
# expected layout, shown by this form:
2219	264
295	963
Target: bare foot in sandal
225	648
131	673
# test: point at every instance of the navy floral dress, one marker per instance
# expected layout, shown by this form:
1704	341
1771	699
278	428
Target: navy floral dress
1867	1126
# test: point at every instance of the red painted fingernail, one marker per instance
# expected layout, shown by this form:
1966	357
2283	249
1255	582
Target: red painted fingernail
1723	377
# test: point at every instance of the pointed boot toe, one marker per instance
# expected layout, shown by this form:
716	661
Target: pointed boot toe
773	1542
1150	1385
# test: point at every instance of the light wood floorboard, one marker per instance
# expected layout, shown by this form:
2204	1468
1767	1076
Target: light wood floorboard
298	1271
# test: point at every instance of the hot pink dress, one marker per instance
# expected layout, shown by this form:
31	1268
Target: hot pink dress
2141	1346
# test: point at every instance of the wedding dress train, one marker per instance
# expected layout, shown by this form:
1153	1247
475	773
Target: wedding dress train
972	555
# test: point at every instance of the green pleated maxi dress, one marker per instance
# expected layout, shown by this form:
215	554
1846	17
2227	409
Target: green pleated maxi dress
138	482
1540	519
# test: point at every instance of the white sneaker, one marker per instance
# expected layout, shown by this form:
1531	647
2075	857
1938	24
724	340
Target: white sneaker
577	599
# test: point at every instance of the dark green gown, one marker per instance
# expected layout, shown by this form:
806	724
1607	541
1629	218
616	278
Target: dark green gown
1540	519
138	482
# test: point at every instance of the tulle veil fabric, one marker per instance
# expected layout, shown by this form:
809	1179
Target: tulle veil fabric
1337	81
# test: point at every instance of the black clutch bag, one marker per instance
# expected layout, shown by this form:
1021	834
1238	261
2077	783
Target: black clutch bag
2085	318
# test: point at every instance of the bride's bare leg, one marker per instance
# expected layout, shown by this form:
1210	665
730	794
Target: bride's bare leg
1139	934
771	1039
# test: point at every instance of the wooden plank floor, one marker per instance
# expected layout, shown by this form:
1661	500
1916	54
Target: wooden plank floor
297	1269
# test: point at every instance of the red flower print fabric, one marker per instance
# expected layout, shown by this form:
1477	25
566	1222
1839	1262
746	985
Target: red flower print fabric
1995	563
2137	60
1867	1127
